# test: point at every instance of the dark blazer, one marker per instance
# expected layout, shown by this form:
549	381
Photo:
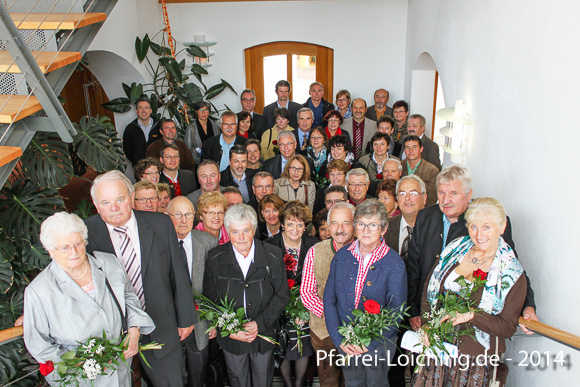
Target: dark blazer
274	165
326	107
292	106
134	142
227	180
307	242
187	182
425	249
319	203
260	125
431	152
392	235
212	150
166	287
265	288
372	113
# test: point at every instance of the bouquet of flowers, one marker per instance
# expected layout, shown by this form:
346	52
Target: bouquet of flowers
370	323
223	317
91	359
296	312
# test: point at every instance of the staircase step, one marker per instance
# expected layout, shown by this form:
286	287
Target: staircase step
55	21
43	58
9	153
10	111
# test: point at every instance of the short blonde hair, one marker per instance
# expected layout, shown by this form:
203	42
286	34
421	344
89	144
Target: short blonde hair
209	199
487	207
163	187
144	184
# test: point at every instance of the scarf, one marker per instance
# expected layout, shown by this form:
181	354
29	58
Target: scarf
318	159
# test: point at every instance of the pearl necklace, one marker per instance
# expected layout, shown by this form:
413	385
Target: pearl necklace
85	273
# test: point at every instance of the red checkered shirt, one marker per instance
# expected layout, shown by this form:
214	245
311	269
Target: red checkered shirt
309	286
363	269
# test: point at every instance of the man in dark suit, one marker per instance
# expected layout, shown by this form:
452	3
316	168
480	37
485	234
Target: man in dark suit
147	241
438	225
317	104
217	148
380	107
248	100
430	152
236	174
414	164
305	120
287	146
283	89
180	181
195	346
169	133
140	133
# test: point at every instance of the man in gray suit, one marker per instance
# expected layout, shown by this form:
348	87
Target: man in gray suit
380	107
195	346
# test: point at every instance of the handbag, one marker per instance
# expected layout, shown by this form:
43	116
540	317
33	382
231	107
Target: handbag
501	379
283	340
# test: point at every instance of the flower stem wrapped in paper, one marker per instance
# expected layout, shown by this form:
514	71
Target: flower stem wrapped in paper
296	313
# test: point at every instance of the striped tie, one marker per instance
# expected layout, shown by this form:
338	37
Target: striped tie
131	262
357	143
184	258
405	246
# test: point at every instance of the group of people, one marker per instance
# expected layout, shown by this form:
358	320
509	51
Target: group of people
345	205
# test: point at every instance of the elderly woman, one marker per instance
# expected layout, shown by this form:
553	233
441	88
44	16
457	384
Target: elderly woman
343	103
386	193
269	210
164	194
499	302
246	125
365	270
75	298
148	168
295	243
295	183
373	162
340	149
250	274
334	120
210	210
270	136
318	152
202	129
254	154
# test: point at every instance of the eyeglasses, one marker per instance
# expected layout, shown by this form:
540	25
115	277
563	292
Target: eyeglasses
357	185
288	144
169	157
412	194
372	227
154	199
247	99
152	173
312	138
69	248
179	215
342	100
333	202
264	187
334	120
296	169
230	124
213	213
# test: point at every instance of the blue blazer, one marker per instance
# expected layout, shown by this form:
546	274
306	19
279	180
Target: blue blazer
386	283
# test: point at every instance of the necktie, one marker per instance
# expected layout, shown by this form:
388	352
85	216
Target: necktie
131	263
357	142
405	247
304	141
184	258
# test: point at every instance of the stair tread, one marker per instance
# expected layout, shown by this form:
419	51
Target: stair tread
9	153
9	112
44	59
55	21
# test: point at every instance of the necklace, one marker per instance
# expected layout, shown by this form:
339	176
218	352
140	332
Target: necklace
480	261
85	273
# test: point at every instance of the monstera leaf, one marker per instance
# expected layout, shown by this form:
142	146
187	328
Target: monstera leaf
35	255
118	105
6	275
98	144
24	206
11	308
47	161
9	360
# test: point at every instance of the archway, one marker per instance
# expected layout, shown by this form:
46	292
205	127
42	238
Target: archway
427	94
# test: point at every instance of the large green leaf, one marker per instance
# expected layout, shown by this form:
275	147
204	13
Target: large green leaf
215	90
98	144
9	360
172	68
136	92
196	51
35	255
6	276
47	161
189	93
159	50
118	105
11	308
142	47
126	89
24	206
198	69
226	84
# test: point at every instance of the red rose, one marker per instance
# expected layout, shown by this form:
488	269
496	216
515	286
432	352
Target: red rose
480	274
372	307
290	262
196	307
275	142
380	176
291	283
46	368
327	176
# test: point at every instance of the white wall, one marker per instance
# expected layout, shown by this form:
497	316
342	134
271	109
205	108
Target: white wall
516	68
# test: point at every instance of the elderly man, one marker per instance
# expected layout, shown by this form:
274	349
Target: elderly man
380	108
416	165
217	148
169	133
365	270
237	175
208	174
400	113
359	128
314	276
180	181
416	126
146	197
440	224
251	274
317	104
357	182
195	346
248	100
262	185
282	90
287	146
392	169
146	244
305	120
141	132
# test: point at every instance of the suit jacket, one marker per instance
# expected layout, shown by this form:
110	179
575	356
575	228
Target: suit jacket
428	173
306	191
431	152
372	113
227	180
212	149
53	300
187	182
185	157
292	106
265	289
392	235
326	107
306	243
134	141
260	125
274	165
370	129
168	298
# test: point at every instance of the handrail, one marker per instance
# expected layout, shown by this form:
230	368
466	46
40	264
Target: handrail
552	333
10	334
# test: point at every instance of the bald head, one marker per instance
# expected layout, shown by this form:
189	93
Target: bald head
381	98
182	214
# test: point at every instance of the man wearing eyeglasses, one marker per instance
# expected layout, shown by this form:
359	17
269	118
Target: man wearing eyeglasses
180	181
146	198
195	346
217	148
169	133
262	185
357	183
248	100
